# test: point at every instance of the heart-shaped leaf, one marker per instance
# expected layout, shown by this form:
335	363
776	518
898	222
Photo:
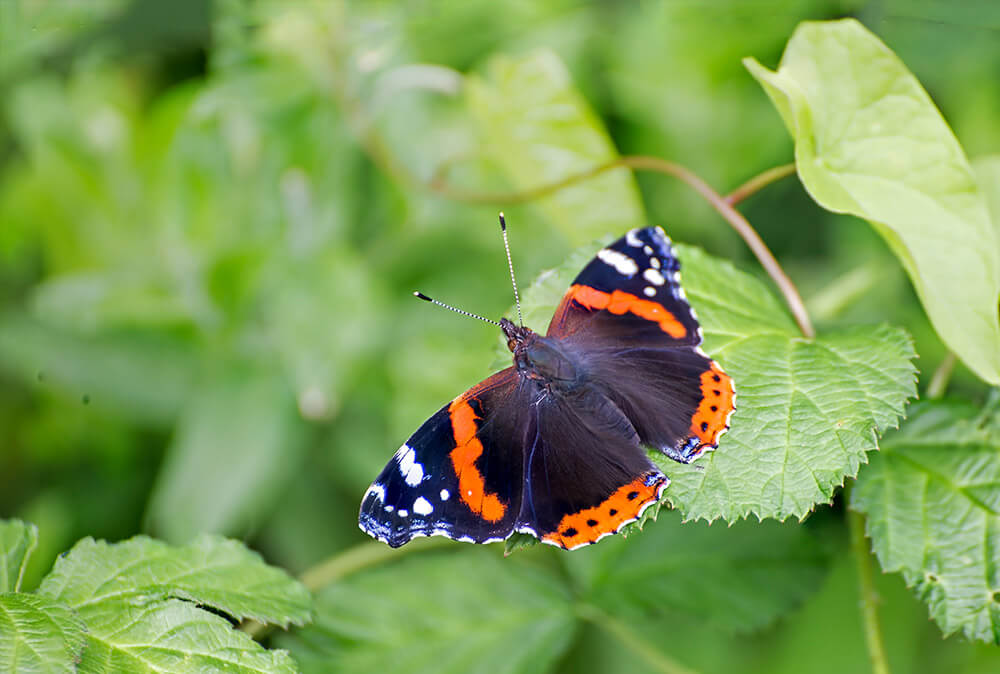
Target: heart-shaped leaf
869	142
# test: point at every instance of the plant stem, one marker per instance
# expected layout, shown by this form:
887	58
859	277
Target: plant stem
345	563
360	557
866	588
656	659
641	162
758	182
939	381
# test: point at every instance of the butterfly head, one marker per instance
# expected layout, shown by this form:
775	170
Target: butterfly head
516	335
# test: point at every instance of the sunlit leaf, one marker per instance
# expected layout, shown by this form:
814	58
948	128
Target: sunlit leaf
988	173
38	634
869	141
538	128
17	540
169	635
212	571
932	497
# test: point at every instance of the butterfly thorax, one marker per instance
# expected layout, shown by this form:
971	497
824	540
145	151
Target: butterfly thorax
540	358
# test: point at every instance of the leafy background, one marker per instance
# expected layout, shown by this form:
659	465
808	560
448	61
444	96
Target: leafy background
211	221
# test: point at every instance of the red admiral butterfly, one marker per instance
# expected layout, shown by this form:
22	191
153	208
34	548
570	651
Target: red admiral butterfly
553	446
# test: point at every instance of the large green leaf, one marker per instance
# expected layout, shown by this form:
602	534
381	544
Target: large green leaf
464	612
807	410
538	129
38	634
932	497
736	578
988	172
869	141
113	370
212	571
17	540
169	635
238	443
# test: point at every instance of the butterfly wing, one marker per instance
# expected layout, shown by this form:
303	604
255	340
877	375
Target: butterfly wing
628	315
629	294
460	475
586	475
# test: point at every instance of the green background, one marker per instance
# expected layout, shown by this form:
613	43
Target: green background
212	218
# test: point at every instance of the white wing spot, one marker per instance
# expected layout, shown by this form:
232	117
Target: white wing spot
404	513
647	250
412	471
649	291
422	506
389	508
654	262
444	495
376	490
622	263
654	277
632	239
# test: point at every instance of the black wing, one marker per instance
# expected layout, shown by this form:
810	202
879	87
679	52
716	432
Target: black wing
586	476
628	315
460	475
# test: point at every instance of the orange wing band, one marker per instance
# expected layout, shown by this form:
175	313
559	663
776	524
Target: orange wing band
623	506
467	451
619	302
712	416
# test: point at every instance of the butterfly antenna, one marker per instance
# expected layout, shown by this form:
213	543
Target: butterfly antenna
510	266
417	293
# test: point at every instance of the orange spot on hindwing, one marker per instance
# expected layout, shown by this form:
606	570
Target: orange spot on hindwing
620	302
623	506
711	418
468	449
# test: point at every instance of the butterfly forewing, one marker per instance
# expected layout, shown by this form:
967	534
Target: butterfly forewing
458	476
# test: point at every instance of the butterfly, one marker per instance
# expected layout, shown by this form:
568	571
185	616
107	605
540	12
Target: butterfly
553	446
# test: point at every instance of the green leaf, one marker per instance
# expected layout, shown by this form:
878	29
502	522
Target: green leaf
17	540
169	635
807	411
216	572
932	496
538	129
462	612
988	173
112	369
869	142
38	635
237	444
736	578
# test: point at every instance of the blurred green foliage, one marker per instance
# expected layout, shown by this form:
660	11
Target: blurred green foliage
211	220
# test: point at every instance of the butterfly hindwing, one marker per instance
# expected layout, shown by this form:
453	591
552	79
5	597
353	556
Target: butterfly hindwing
586	475
628	313
460	475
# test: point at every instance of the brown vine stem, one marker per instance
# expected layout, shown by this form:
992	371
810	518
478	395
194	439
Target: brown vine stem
640	162
866	588
758	182
345	563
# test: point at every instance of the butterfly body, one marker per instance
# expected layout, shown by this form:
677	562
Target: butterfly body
553	445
